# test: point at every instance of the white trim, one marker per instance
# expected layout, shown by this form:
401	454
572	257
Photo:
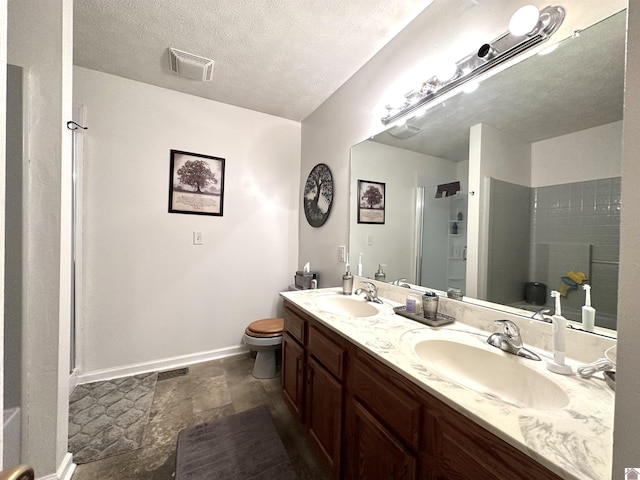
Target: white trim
80	116
159	365
73	380
65	470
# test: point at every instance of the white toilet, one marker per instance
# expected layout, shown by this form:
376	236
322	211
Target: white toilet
265	338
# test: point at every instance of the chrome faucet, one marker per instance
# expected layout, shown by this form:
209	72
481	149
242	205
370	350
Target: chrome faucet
510	340
540	315
400	283
371	294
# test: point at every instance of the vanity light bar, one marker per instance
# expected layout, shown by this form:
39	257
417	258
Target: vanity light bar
488	56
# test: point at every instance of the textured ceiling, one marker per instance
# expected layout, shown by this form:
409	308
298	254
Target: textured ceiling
282	57
578	86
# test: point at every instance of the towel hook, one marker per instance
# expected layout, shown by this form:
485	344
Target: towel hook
71	125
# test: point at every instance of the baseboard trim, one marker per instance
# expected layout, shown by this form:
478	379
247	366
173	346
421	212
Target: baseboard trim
159	365
65	470
67	467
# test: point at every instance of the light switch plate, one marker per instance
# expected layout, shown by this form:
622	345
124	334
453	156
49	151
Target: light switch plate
342	253
197	238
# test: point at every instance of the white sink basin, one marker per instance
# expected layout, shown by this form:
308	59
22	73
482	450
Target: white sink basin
491	373
347	306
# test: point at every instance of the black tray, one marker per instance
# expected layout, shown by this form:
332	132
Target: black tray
442	318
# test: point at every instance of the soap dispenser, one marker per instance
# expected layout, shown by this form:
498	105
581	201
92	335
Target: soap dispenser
347	280
380	275
557	365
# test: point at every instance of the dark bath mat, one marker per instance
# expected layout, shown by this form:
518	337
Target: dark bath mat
244	446
108	418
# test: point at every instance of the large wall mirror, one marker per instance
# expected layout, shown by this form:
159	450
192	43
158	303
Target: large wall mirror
540	145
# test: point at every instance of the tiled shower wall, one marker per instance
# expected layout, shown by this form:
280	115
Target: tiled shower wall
583	213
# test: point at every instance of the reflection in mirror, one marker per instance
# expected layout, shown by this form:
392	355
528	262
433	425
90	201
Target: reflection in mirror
539	147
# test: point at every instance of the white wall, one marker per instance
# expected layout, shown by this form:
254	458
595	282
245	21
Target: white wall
402	171
577	157
626	437
149	294
492	154
13	239
42	44
3	134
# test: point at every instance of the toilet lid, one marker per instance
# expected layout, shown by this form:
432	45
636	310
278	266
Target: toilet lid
268	327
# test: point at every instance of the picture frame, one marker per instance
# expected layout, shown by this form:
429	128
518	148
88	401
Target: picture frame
196	184
371	202
317	197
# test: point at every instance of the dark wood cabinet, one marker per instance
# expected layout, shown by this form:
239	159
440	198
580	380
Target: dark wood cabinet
377	453
387	396
369	422
293	371
324	419
313	360
462	450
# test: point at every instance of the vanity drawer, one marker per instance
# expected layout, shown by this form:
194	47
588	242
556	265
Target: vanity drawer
377	387
294	324
328	352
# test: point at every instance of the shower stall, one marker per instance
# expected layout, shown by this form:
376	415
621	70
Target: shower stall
441	238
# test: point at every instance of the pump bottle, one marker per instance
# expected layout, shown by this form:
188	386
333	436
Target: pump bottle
347	280
380	275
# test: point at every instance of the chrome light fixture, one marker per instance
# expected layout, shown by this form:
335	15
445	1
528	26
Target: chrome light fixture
528	27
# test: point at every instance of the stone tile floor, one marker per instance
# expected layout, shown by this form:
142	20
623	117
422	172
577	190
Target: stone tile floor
210	390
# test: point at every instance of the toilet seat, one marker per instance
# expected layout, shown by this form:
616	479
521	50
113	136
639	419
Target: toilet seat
265	338
265	328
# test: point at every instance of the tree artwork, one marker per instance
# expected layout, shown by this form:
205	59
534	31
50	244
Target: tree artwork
371	201
372	196
196	174
196	184
318	195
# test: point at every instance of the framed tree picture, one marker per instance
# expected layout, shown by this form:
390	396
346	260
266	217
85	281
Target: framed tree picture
371	197
196	184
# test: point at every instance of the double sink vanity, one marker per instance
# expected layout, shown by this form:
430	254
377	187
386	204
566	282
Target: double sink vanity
384	397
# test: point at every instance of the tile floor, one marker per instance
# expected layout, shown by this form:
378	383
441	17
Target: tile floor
210	390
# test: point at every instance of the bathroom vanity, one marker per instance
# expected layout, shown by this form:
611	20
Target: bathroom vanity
373	410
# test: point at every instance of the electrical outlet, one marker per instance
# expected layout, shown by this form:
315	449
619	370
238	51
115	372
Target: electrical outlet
197	238
342	251
370	240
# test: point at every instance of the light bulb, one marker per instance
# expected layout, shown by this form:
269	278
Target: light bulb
379	111
426	88
524	20
398	101
470	87
548	50
446	71
420	112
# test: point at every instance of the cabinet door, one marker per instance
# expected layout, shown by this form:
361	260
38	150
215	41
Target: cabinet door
293	376
462	450
378	454
324	414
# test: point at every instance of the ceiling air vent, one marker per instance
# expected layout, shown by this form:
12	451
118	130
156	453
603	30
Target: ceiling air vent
190	66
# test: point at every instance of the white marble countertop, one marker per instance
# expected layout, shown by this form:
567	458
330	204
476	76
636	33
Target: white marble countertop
575	442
